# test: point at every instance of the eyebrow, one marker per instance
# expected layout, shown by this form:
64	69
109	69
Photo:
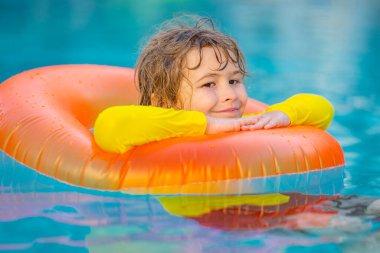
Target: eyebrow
216	74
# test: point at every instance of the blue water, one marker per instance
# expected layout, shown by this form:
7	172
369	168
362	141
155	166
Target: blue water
330	48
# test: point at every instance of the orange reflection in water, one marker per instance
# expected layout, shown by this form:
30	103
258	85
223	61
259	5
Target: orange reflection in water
253	212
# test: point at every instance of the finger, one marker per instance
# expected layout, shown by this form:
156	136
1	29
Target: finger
250	120
260	124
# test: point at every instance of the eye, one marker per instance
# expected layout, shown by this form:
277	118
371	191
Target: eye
234	82
209	85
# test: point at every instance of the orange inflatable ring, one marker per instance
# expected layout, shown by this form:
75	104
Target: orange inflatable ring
46	116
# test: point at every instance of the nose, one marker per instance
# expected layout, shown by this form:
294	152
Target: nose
228	93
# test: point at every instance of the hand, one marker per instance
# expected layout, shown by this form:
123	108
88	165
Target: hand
266	121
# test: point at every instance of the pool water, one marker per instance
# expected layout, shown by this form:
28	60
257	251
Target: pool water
330	48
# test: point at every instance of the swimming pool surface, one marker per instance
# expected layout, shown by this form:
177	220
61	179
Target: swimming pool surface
330	48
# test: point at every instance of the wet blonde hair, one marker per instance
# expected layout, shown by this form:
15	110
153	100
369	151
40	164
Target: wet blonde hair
160	67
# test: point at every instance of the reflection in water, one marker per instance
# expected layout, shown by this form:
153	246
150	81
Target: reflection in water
252	212
81	221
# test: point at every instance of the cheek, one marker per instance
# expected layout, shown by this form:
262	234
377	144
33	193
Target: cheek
241	93
204	100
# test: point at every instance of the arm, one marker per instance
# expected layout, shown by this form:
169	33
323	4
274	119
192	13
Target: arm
119	128
306	109
301	109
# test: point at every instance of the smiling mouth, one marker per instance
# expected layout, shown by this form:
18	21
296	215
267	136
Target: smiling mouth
234	109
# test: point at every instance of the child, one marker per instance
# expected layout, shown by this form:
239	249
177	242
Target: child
191	81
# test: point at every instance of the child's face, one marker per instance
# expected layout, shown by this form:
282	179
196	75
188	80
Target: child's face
216	93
